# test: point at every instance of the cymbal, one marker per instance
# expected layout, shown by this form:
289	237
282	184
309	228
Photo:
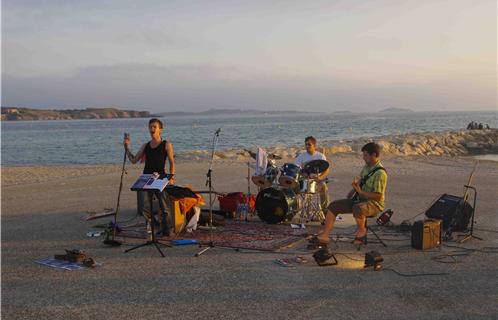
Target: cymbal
316	166
252	154
271	156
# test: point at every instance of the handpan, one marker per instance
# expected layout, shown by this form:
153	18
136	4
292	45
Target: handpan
316	166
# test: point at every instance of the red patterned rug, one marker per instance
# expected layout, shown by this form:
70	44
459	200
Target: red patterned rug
236	234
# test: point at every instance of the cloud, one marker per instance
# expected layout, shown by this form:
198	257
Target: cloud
200	87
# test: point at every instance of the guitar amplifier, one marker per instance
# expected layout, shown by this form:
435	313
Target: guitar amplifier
426	234
451	209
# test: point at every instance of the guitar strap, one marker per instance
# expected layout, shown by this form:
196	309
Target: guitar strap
365	178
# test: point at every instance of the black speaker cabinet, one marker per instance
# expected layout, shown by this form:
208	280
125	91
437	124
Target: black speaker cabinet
426	234
451	208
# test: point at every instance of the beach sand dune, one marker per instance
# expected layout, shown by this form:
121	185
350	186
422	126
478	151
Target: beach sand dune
41	216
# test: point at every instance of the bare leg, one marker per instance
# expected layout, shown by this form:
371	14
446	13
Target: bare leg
335	208
361	231
329	225
359	211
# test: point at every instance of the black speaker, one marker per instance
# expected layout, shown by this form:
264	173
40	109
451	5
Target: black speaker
426	234
448	208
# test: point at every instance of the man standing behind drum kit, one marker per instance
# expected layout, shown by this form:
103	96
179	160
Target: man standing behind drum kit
309	155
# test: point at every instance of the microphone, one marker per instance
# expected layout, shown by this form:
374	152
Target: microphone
218	131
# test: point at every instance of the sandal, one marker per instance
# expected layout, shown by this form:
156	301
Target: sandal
314	238
89	262
359	241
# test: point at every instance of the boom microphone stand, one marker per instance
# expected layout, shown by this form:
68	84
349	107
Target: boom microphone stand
209	181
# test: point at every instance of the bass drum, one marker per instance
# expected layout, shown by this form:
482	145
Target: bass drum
276	205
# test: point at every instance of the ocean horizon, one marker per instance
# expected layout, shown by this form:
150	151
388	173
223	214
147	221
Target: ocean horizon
93	142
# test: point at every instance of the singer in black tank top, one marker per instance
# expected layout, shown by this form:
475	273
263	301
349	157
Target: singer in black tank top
155	158
155	161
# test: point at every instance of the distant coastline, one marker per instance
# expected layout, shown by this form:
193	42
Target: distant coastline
396	110
27	114
30	114
212	112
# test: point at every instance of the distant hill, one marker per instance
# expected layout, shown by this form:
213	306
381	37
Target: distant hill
396	110
211	112
15	114
342	112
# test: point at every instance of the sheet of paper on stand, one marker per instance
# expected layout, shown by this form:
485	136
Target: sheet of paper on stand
261	161
151	182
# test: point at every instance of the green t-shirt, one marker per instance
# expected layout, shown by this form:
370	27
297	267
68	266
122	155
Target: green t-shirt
376	183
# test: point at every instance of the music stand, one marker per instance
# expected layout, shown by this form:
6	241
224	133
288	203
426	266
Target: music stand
143	184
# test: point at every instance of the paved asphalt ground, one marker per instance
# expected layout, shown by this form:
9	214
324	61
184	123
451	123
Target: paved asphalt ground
226	284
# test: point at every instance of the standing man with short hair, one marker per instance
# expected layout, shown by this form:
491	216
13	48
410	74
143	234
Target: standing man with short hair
309	155
156	151
365	200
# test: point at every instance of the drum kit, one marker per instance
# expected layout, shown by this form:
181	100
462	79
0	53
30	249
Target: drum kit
289	192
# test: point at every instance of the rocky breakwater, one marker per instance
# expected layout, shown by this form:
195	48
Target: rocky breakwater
450	143
454	143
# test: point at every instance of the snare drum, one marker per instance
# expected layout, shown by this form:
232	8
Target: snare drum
290	176
307	186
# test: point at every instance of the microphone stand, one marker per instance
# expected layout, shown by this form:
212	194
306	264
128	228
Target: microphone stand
209	183
113	241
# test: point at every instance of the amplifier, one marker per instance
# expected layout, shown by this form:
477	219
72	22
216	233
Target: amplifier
426	234
451	209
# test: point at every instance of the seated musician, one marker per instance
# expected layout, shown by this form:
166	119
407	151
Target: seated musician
309	155
156	151
365	200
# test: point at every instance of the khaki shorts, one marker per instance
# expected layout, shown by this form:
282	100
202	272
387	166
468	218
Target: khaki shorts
358	209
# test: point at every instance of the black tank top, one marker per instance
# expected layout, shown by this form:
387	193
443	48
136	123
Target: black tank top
155	158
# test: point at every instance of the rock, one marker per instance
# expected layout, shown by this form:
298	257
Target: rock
471	144
439	150
406	149
388	147
339	149
431	142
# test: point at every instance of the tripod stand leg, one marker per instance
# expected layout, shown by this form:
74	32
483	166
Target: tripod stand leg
198	254
137	246
164	244
158	249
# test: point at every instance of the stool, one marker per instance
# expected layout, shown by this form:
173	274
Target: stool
372	231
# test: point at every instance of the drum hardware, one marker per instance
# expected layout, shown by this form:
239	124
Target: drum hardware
311	209
248	195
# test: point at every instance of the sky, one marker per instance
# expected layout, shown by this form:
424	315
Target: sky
425	55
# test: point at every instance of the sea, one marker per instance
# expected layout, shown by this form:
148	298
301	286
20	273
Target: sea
91	142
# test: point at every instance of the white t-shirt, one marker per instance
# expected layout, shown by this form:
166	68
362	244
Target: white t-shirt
305	157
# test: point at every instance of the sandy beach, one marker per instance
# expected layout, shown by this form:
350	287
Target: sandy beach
42	210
